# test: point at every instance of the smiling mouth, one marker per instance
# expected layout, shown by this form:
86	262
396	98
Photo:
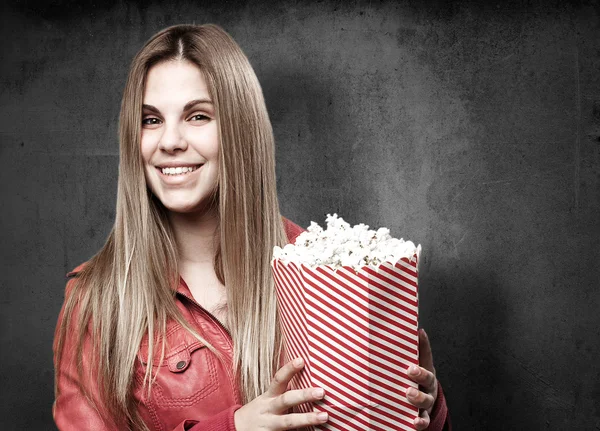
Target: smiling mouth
178	170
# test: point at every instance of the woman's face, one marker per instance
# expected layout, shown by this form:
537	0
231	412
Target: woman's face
180	145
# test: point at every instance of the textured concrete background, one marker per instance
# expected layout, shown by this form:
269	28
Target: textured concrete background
472	129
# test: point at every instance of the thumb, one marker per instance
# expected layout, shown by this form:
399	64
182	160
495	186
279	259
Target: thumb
425	355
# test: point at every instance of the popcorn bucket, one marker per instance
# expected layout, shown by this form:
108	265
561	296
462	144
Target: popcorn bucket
357	333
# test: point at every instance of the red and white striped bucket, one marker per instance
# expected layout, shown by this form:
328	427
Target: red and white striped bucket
357	333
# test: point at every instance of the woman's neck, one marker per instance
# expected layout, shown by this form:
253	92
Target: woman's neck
195	235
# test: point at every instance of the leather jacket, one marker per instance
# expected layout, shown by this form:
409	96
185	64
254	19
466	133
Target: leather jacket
194	389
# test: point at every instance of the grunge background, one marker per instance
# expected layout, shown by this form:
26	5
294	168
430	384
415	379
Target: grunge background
469	127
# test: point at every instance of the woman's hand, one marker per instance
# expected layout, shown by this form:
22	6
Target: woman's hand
269	412
425	397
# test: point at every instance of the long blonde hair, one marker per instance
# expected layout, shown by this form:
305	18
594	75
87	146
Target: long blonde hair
126	291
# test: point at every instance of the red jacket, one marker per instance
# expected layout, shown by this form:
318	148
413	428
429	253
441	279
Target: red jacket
194	390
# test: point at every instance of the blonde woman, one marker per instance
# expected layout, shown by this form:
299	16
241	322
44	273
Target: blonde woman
172	325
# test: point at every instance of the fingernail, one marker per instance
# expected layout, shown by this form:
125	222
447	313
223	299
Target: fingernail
413	370
322	416
412	392
318	393
298	361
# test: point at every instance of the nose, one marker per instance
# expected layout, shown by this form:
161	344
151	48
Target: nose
172	139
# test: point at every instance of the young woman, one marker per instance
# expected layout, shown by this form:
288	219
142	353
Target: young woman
173	325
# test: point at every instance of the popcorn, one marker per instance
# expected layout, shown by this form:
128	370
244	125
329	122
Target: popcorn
342	245
348	304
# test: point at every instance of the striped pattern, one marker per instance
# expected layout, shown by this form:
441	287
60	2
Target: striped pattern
357	332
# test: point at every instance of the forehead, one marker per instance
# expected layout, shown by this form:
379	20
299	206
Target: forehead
173	82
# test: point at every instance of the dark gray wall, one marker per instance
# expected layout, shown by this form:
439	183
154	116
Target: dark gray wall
471	129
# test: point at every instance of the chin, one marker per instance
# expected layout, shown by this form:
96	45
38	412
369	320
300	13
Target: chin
182	209
184	206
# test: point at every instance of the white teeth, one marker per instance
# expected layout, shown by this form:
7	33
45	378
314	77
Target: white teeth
178	170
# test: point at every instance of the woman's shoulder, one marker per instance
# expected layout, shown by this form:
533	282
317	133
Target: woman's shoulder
292	230
76	270
72	277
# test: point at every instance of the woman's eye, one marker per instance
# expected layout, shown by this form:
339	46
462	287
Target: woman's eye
150	121
198	117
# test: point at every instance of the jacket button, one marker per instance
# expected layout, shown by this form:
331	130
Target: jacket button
180	365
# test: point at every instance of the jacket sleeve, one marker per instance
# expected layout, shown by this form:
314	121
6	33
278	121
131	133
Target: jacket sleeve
72	411
440	418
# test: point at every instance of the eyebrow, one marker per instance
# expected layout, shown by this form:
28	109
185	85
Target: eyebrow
187	106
